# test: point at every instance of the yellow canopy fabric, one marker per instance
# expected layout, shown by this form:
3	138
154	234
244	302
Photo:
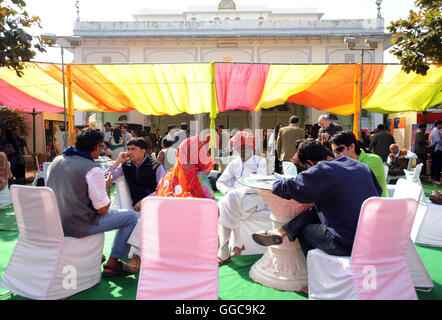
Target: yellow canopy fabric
284	81
157	89
398	91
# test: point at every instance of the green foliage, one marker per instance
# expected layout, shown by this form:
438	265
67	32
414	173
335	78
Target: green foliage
418	40
16	44
10	119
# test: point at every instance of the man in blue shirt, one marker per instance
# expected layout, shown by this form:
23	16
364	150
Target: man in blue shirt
338	188
436	157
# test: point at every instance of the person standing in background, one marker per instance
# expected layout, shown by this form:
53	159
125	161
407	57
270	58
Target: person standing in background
126	136
421	147
327	130
381	143
20	166
107	132
117	142
287	137
436	157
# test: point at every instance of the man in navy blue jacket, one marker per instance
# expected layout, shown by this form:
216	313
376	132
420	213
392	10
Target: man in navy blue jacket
338	187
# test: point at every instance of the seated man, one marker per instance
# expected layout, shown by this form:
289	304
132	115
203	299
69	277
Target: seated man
338	187
400	157
239	201
344	143
82	191
142	174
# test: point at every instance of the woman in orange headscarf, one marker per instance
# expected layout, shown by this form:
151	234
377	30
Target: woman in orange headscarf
189	176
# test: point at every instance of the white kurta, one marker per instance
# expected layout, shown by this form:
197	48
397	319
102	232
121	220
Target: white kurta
239	201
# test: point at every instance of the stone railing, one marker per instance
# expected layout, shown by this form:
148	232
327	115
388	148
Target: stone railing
354	24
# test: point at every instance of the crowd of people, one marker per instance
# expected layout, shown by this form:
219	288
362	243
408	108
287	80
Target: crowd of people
336	173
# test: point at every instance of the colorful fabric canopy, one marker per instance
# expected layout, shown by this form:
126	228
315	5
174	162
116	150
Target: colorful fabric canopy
158	89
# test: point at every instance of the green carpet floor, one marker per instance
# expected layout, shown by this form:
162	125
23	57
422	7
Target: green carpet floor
234	280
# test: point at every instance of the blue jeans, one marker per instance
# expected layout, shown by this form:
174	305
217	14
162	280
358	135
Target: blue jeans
125	221
316	236
312	234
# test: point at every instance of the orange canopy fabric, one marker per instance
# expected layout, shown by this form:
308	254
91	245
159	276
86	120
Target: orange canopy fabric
334	90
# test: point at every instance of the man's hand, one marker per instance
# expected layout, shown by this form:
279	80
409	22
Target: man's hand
122	157
137	206
325	136
108	179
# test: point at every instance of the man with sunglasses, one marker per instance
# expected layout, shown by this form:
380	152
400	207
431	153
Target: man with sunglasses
337	187
345	144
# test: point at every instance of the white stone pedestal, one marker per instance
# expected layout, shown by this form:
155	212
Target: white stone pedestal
282	267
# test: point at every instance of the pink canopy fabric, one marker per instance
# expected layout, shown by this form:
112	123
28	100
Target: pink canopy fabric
14	98
239	86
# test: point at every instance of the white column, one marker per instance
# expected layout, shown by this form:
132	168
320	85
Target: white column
197	125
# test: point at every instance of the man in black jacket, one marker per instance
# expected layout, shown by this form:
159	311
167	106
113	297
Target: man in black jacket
142	173
381	143
421	147
327	130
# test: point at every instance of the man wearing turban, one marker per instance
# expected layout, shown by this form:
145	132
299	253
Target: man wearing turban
239	201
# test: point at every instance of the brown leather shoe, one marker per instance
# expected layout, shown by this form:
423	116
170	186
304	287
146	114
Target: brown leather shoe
134	263
266	238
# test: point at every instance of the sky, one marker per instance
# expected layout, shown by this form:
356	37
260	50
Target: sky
58	16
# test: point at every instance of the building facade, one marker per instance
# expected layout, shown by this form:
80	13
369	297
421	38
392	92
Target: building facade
228	33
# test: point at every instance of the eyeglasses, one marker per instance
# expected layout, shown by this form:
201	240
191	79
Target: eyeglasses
339	150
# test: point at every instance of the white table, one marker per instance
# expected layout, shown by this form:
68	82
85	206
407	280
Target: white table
282	267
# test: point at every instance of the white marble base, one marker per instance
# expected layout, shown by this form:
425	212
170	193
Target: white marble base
281	268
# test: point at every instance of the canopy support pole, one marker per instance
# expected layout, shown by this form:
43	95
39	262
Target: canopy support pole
213	111
70	128
357	96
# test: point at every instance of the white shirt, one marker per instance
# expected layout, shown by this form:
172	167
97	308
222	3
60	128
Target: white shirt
237	169
96	187
127	136
409	155
182	135
107	135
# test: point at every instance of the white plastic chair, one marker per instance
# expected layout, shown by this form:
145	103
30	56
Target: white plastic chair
289	169
45	264
377	268
123	193
179	249
413	189
41	173
409	175
427	225
125	202
410	162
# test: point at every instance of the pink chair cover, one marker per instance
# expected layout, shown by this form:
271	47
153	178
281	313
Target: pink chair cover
44	261
179	249
378	264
